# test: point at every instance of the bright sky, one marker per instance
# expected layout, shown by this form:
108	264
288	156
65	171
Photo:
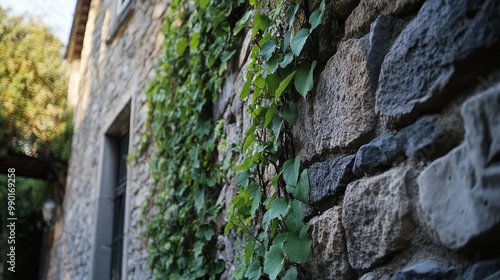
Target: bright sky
57	14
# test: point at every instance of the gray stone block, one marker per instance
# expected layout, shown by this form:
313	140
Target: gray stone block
376	217
445	45
377	155
464	185
328	258
483	269
427	270
342	111
358	22
329	178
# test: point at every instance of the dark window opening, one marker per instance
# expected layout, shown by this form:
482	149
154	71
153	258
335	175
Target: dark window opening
119	210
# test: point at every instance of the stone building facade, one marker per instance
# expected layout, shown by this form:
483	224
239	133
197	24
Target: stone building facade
401	137
112	55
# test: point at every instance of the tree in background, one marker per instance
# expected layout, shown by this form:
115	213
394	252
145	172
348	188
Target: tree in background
35	131
34	116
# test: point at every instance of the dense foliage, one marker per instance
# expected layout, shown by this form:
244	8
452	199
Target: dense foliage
271	183
199	43
34	116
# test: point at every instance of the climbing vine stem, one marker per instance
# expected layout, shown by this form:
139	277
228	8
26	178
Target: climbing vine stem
272	185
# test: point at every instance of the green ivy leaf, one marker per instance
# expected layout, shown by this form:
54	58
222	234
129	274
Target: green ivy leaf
267	49
245	91
242	179
291	274
226	55
271	65
255	195
297	248
283	86
302	190
204	4
291	171
299	40
254	271
277	123
304	78
273	82
195	41
289	112
181	45
286	41
317	16
290	14
259	82
293	216
286	60
260	22
242	22
273	262
269	115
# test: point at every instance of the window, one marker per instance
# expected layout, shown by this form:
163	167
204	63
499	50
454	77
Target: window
119	210
110	229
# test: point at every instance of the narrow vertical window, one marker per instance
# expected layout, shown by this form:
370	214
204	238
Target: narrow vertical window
119	210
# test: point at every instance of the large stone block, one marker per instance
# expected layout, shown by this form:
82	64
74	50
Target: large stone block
342	111
465	184
328	258
329	178
358	23
427	270
445	45
377	155
376	217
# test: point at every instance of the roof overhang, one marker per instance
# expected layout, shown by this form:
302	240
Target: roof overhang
75	44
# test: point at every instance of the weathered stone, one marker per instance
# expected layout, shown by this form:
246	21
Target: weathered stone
427	270
342	111
383	32
377	155
328	258
465	184
425	138
444	46
482	270
494	276
376	217
343	8
329	178
358	23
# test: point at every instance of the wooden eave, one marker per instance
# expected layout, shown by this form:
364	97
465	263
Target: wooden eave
75	44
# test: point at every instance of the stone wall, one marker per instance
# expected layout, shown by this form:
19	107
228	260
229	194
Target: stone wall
401	137
111	73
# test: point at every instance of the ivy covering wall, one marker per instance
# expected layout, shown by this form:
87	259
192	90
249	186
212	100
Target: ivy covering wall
201	37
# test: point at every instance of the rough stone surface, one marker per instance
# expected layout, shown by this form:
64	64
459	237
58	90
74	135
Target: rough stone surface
376	217
428	137
482	270
427	270
464	185
358	23
329	243
343	8
103	81
329	178
377	155
458	36
342	111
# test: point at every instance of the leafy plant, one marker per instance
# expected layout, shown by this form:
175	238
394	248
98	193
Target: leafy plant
181	232
267	207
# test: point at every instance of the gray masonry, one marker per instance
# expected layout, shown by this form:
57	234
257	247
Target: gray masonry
401	137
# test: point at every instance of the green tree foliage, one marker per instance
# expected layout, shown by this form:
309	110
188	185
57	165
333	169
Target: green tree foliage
34	116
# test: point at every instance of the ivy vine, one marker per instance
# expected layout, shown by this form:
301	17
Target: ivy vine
200	39
199	42
267	207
